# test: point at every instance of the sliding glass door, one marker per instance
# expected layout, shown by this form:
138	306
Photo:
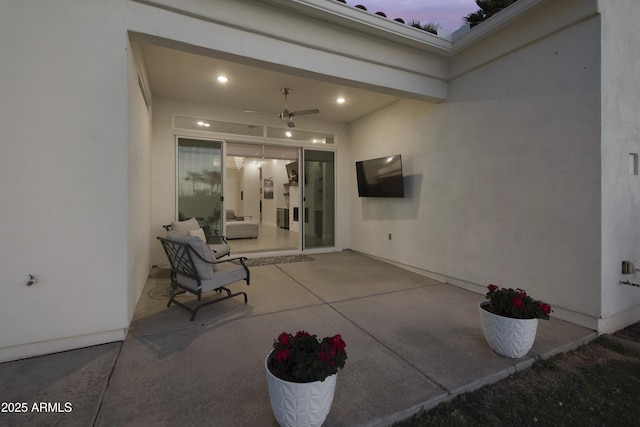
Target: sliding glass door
294	206
318	199
200	183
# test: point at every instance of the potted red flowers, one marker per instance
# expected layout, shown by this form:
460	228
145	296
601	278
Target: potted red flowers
301	373
515	303
510	320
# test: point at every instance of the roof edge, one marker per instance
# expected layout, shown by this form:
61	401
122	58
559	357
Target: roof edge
342	14
465	36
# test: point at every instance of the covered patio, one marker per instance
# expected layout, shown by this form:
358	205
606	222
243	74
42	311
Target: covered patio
412	342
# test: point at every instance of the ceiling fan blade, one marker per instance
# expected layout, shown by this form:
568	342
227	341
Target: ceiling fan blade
256	112
303	112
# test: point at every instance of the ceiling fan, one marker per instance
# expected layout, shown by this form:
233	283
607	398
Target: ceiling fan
286	115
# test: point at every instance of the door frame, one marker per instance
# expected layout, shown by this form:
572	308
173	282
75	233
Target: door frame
266	141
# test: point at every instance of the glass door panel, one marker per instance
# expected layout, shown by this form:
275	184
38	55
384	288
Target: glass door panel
200	184
319	199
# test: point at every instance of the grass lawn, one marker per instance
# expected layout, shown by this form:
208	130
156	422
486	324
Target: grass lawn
597	384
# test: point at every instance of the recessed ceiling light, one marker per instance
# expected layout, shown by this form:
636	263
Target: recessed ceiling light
288	134
341	100
201	123
222	79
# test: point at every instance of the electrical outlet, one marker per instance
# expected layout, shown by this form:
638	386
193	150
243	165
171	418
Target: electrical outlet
628	267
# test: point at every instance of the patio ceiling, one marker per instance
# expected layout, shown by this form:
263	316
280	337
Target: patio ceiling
187	76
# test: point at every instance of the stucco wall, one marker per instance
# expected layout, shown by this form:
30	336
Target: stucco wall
139	178
502	180
620	137
63	169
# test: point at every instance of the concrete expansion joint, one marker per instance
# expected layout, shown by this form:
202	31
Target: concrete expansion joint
108	383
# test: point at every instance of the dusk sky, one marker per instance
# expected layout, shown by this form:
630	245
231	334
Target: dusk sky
447	13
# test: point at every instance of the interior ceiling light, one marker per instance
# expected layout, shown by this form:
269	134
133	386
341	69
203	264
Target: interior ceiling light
201	123
288	134
222	79
341	100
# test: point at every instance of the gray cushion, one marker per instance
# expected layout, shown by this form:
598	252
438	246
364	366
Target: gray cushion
204	269
198	233
227	273
220	249
183	227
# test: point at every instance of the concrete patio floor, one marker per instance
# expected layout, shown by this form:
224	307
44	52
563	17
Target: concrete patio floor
412	342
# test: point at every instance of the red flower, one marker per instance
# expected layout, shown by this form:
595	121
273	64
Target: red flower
517	301
302	357
337	344
284	338
282	355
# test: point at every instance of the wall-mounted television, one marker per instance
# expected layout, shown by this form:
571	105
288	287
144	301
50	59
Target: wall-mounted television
380	177
292	173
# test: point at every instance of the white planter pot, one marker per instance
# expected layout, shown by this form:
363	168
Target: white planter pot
506	336
300	404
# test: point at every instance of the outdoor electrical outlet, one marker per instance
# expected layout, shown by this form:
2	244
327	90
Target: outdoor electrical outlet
628	267
389	236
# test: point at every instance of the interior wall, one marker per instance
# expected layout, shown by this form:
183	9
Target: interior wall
502	180
252	190
63	168
232	187
620	138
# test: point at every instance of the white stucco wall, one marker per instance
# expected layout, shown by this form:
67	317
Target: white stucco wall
620	137
139	179
502	179
63	175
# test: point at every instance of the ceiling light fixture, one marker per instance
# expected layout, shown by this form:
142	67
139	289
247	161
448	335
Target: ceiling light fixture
201	123
288	134
341	100
222	79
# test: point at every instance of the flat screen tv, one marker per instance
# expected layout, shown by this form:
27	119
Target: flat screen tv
380	177
292	173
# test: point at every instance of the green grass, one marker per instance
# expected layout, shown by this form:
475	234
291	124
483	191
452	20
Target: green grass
595	385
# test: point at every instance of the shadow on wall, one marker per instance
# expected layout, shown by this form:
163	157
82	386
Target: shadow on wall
383	208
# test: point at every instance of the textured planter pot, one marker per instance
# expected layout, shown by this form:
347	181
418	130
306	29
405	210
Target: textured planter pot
506	336
300	404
